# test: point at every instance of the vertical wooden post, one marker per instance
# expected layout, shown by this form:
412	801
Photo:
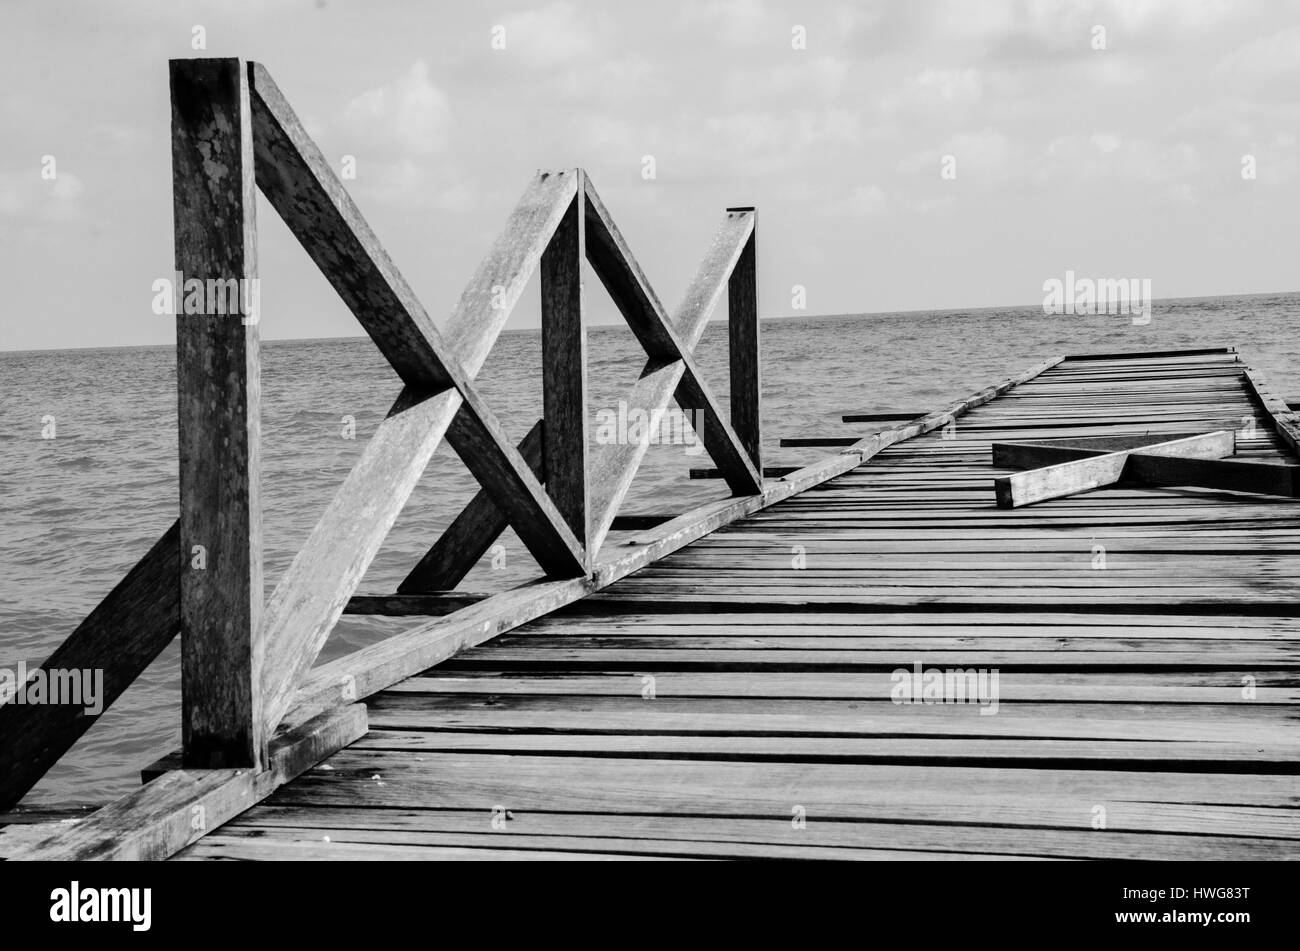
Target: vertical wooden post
218	407
564	368
743	345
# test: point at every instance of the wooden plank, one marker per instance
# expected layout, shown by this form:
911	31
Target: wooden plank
879	417
564	368
769	472
641	833
743	351
1052	482
121	637
1139	800
1030	455
178	808
818	441
1143	355
1237	475
218	392
425	604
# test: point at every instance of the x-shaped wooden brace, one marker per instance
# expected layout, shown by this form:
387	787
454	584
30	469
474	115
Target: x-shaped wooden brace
669	373
1077	465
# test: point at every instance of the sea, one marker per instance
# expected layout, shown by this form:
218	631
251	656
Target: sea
88	456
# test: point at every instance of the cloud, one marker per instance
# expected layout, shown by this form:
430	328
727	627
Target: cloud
1268	68
552	36
26	198
409	115
948	85
867	200
400	134
988	157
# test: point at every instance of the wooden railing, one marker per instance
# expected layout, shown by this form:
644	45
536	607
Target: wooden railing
245	660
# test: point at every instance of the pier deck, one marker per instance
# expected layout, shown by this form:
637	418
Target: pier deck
733	699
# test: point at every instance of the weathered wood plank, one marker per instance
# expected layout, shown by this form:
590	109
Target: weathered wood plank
743	351
1052	482
218	391
564	369
164	816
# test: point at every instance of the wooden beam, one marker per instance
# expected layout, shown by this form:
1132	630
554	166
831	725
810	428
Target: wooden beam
618	270
159	819
219	406
1235	475
564	367
1067	478
769	472
816	441
473	532
1035	454
121	637
879	417
615	465
743	351
1135	354
431	604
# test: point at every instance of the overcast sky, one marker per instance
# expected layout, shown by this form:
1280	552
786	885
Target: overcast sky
1118	162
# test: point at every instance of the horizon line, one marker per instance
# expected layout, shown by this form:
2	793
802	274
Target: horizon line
842	315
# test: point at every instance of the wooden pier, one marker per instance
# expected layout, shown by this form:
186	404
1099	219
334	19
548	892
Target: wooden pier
769	675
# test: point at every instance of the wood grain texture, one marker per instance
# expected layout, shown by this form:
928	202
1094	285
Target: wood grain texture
564	369
1097	471
218	387
744	352
179	807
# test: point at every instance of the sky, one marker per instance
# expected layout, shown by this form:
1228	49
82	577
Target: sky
1107	138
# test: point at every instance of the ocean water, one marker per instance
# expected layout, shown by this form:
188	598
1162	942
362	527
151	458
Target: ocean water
79	509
